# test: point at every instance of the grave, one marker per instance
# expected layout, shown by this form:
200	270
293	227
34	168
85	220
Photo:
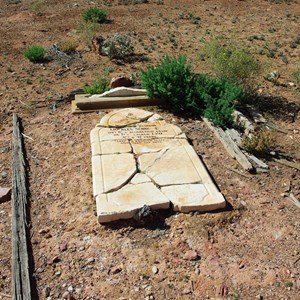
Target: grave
139	159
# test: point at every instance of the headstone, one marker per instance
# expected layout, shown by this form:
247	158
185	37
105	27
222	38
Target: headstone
139	159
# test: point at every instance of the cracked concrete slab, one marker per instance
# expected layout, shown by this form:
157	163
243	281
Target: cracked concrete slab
138	159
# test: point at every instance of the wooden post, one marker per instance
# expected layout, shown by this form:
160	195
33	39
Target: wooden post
20	263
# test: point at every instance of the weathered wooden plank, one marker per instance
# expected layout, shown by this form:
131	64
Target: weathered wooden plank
20	261
230	146
256	161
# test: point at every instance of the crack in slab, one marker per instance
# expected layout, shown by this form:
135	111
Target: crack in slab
122	185
165	185
164	151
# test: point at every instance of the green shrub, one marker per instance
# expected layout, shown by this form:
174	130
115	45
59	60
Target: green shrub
35	53
95	15
98	87
233	63
118	46
219	97
193	94
173	81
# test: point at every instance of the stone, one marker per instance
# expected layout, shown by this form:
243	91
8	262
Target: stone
115	270
63	247
90	260
47	291
140	160
186	291
154	270
3	174
5	194
120	80
190	255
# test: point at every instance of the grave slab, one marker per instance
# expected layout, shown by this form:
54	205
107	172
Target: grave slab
139	159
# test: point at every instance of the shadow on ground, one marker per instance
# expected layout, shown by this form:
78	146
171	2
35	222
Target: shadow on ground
277	107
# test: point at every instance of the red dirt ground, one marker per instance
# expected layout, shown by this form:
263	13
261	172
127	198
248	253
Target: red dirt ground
250	251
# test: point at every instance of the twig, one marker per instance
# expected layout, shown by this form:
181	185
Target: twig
26	136
294	200
288	163
238	172
277	129
25	104
296	260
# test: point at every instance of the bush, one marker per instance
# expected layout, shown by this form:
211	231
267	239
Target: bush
88	30
98	87
192	94
118	46
37	6
219	97
259	143
68	46
35	53
233	63
95	15
173	81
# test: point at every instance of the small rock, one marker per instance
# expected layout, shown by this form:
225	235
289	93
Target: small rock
154	270
3	174
191	255
58	273
5	194
63	247
186	291
55	259
78	291
81	248
119	81
47	291
91	260
70	289
65	295
43	231
115	270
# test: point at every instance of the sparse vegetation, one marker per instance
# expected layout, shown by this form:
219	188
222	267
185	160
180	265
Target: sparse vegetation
95	15
35	53
232	62
37	6
88	30
259	143
98	87
118	46
68	46
296	74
